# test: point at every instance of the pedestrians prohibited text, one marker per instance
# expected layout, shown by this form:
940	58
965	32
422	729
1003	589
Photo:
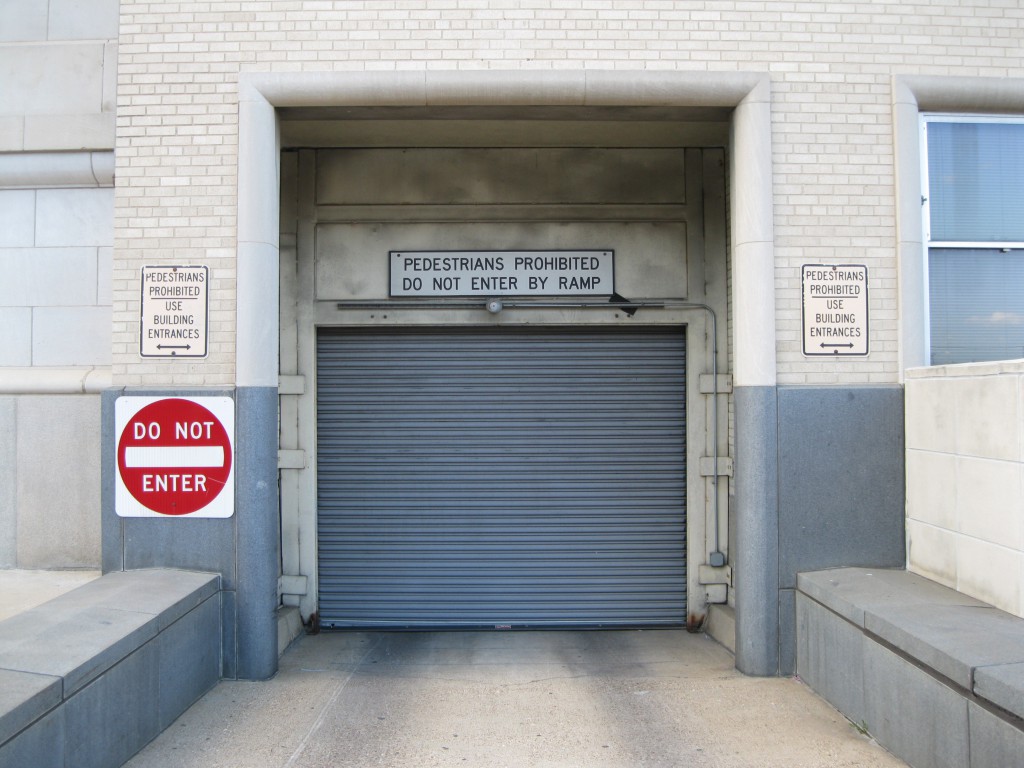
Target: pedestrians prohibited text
502	273
175	456
835	310
175	309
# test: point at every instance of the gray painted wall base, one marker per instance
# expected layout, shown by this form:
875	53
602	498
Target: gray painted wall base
243	548
841	487
756	561
819	484
258	522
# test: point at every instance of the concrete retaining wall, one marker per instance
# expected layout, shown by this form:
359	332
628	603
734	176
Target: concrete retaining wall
91	677
934	675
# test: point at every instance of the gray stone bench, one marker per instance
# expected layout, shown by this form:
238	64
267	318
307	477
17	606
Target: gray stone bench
935	676
91	677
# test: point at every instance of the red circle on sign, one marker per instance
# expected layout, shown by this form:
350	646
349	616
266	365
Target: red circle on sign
174	456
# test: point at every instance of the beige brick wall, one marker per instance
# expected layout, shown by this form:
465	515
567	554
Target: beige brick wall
831	66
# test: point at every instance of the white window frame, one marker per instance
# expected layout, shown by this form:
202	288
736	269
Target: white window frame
926	218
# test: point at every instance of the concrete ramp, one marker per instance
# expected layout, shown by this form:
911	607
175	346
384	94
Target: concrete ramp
610	699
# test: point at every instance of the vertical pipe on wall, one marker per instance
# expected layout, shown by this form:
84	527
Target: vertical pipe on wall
756	561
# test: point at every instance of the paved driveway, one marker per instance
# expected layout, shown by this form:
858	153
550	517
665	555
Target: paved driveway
612	698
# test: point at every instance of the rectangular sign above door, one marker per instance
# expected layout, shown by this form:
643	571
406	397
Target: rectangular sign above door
502	273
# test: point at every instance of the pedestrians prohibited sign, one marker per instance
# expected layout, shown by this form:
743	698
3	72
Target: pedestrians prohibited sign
175	309
835	310
175	456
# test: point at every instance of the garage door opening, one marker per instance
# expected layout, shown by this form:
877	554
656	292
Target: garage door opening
501	478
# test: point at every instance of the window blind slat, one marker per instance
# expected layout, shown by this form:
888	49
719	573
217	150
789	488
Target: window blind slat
976	181
976	305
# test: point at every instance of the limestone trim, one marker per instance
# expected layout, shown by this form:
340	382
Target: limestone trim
55	381
261	94
52	170
912	95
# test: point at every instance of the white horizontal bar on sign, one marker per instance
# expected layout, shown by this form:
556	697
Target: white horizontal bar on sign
141	457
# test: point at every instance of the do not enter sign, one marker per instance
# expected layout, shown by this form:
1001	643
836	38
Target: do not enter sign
175	456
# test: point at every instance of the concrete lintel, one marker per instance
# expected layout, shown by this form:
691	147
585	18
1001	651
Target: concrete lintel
936	93
503	88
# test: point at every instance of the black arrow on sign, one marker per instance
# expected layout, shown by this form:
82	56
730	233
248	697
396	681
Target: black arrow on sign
174	346
850	345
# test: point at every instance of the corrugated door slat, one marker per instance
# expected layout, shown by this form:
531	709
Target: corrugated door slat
473	478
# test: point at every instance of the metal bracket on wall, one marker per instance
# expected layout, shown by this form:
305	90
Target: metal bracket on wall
291	585
708	385
710	466
291	385
291	458
707	574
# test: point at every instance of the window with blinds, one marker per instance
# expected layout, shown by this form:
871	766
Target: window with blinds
975	227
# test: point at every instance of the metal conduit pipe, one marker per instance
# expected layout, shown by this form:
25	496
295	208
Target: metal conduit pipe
495	305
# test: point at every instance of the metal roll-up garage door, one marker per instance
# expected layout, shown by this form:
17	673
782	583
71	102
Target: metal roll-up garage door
501	478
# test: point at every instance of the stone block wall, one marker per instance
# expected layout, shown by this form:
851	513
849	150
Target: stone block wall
965	479
55	309
57	98
58	63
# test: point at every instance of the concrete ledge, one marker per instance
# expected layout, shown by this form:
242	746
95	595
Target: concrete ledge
721	625
1003	685
289	627
920	666
100	671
